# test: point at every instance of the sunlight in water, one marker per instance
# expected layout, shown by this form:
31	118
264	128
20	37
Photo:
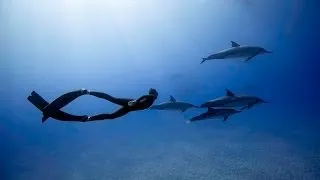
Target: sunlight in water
121	7
83	21
128	24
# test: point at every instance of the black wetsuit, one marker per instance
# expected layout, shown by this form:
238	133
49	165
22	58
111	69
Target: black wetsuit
53	109
142	103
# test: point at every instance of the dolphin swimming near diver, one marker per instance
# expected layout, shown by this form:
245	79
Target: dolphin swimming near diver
213	113
173	105
237	51
234	100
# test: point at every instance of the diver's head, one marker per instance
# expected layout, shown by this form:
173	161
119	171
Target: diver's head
153	92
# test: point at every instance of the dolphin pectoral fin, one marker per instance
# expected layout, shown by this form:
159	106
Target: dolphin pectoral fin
244	107
249	58
183	110
225	118
254	55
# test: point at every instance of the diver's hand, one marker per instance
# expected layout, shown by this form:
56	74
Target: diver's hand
132	103
85	91
85	118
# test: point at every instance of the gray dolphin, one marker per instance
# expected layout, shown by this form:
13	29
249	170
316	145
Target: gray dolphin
173	105
213	113
237	51
234	100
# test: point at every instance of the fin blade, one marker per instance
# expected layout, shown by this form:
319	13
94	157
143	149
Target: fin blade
44	118
37	101
229	93
172	99
234	44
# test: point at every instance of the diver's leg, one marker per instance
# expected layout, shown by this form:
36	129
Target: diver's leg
118	113
119	101
63	116
65	99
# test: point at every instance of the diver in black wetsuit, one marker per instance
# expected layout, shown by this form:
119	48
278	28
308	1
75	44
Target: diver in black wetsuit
128	105
53	109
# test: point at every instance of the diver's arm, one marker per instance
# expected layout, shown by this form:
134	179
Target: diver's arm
142	98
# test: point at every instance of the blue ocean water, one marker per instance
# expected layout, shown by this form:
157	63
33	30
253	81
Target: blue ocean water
123	48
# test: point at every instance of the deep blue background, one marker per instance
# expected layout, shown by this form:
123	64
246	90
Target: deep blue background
126	47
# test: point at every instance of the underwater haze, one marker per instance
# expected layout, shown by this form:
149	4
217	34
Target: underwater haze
125	47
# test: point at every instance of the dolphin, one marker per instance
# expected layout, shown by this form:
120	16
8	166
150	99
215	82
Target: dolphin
173	105
237	51
213	113
234	100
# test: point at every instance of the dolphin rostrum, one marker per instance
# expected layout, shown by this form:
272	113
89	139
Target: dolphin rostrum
234	100
213	113
173	105
237	51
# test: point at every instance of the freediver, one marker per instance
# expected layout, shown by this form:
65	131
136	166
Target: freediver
127	105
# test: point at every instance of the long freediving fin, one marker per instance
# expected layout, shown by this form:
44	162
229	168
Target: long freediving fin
41	104
37	101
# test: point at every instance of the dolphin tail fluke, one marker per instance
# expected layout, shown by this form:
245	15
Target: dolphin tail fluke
203	60
37	101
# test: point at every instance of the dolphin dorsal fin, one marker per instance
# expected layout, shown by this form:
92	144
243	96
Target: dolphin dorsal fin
211	109
172	99
229	93
234	44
